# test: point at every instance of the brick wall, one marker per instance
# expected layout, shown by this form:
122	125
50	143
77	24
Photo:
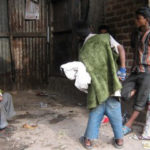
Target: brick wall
119	15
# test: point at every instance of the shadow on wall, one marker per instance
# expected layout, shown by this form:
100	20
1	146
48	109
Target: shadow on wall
5	74
21	74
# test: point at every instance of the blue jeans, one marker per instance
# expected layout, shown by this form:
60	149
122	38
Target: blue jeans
111	108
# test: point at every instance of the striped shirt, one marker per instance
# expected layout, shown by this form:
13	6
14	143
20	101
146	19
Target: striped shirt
143	53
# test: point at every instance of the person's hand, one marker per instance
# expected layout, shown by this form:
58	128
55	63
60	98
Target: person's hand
121	73
1	98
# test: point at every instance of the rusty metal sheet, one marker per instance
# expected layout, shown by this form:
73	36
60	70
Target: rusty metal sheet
62	15
23	51
30	62
5	64
5	60
62	50
3	16
18	22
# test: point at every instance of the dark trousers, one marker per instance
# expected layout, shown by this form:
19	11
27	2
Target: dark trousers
140	82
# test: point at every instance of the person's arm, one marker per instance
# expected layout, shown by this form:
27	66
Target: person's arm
1	98
122	56
122	71
120	50
1	95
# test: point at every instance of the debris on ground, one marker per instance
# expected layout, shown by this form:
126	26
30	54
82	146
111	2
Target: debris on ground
43	105
146	144
58	126
42	93
105	119
57	119
27	126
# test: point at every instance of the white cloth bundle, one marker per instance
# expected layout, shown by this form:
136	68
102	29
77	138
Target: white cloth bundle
77	71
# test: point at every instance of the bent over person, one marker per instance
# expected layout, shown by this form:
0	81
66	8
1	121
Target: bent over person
99	54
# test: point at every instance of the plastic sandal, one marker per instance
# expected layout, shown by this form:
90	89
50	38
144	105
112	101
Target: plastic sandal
82	141
143	138
126	130
118	146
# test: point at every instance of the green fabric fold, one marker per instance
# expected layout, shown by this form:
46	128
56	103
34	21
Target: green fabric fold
98	57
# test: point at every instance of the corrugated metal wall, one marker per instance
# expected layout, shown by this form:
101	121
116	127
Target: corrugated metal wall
62	34
5	59
18	22
27	58
65	14
23	51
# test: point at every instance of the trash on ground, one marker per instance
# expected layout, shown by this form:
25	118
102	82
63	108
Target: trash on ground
134	137
79	104
27	126
105	119
146	144
61	134
57	119
43	93
43	105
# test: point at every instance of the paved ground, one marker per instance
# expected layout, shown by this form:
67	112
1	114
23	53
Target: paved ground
55	122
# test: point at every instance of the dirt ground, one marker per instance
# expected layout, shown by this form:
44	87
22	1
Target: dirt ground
55	122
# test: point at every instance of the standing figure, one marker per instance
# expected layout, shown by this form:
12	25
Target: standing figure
97	54
138	82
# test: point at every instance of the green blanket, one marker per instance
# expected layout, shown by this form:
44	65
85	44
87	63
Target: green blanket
97	56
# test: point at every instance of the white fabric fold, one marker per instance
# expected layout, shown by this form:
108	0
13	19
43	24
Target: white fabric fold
76	70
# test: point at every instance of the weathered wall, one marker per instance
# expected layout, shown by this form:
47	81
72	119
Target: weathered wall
119	15
96	13
63	41
65	45
23	45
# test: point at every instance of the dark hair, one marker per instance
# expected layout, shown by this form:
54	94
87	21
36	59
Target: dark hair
145	12
103	27
82	29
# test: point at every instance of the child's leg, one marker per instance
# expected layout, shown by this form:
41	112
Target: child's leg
141	97
133	92
128	87
113	111
142	92
133	117
95	118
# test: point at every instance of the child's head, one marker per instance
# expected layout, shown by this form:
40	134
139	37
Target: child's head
143	17
103	29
